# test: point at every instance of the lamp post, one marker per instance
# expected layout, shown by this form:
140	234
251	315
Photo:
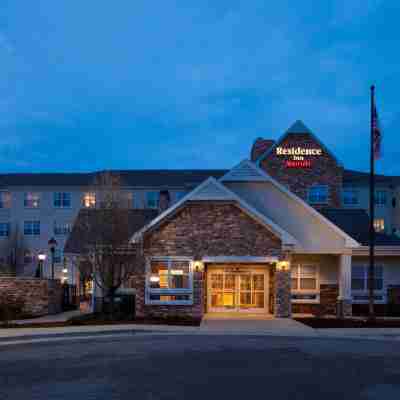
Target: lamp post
42	258
52	245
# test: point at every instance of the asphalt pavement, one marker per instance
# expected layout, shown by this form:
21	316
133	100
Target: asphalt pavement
149	366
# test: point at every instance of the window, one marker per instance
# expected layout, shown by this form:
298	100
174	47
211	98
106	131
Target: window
62	200
31	200
380	197
169	281
305	285
152	199
4	229
5	199
57	256
62	229
360	285
350	196
89	200
379	224
28	257
32	228
318	195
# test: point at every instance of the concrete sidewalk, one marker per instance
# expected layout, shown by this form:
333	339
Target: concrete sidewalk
60	317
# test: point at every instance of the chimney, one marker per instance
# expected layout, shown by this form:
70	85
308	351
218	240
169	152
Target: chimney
164	201
260	146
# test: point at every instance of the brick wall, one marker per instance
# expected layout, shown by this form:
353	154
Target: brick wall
324	170
40	296
203	229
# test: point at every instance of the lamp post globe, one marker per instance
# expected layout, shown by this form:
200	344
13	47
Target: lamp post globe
52	246
41	257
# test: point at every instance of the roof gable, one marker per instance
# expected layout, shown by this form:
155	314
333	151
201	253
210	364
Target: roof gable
297	127
211	190
246	171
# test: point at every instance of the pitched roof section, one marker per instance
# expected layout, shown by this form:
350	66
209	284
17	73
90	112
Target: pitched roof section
78	239
356	224
296	128
211	189
246	171
351	177
349	240
157	178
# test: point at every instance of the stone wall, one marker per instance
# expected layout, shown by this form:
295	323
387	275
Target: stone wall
40	296
323	170
202	229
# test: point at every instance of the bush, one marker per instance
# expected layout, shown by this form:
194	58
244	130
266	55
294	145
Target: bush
10	309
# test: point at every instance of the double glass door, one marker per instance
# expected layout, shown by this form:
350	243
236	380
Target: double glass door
233	291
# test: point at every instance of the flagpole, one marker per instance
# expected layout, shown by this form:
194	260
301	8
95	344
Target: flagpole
372	212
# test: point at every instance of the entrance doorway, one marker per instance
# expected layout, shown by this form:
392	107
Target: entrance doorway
237	289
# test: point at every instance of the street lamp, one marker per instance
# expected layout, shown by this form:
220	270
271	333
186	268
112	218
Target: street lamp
52	245
42	258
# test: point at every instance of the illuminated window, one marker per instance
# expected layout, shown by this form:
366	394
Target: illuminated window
305	285
89	200
4	229
359	283
379	224
62	200
350	196
380	197
32	228
152	199
318	194
62	229
31	200
169	281
5	199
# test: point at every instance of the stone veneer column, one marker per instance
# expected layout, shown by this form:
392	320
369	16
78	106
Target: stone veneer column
283	301
344	305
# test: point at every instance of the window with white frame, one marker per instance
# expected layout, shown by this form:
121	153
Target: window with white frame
380	197
62	200
5	199
89	200
318	194
360	283
169	281
379	224
32	228
4	229
31	200
350	196
152	199
62	228
305	283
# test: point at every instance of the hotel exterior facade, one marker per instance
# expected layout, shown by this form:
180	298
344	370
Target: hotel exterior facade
284	232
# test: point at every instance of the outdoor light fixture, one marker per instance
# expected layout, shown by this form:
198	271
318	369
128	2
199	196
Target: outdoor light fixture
52	245
154	279
41	257
283	265
198	266
65	270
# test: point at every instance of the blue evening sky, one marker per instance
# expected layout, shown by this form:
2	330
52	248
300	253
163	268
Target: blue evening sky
88	85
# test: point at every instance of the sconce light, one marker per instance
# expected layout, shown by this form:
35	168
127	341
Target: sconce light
198	266
282	265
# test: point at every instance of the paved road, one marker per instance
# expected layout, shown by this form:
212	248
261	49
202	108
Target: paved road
201	367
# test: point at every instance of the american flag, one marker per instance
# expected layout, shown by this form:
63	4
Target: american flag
377	134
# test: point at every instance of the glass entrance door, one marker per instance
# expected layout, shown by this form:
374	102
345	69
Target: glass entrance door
233	291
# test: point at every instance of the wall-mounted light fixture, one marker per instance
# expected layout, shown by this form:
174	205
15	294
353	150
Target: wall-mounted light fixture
198	266
283	265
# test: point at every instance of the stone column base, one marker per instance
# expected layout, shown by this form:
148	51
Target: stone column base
344	308
283	303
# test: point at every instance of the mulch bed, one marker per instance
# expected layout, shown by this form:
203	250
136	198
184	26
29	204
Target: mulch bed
322	323
94	320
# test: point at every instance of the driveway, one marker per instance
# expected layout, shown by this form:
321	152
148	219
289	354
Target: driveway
232	323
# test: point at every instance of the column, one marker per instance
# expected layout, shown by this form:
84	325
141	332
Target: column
283	300
344	308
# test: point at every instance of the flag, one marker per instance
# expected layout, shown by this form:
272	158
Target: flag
377	134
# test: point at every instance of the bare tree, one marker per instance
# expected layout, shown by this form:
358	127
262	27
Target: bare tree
106	230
